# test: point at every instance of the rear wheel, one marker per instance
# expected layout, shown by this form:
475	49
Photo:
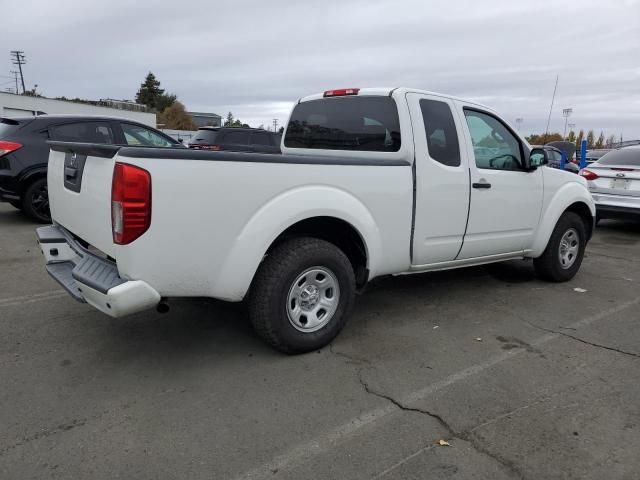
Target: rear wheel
35	201
562	258
301	295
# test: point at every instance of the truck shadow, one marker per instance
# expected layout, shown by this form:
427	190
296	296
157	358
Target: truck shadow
204	327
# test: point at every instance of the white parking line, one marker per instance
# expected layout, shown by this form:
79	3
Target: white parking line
36	297
328	440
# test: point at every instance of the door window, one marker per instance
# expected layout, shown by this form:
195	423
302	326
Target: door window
87	132
260	138
494	146
236	138
442	137
141	136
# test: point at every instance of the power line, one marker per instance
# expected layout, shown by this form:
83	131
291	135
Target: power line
18	58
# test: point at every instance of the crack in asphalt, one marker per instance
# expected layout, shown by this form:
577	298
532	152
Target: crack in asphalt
466	436
65	427
582	340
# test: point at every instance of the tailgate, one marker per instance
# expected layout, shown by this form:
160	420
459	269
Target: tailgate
79	177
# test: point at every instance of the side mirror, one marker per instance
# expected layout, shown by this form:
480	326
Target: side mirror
537	158
181	140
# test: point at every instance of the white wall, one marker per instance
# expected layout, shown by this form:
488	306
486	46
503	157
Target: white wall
12	105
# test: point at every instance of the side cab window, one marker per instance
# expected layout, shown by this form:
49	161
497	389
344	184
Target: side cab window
495	147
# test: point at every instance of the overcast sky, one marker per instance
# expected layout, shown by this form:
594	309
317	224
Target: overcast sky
255	58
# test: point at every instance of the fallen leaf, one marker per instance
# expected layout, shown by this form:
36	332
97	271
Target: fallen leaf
579	290
444	443
478	339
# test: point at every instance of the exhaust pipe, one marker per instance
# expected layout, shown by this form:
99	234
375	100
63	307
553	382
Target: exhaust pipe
163	306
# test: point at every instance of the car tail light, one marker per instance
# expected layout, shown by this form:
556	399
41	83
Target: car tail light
341	92
130	203
8	147
588	174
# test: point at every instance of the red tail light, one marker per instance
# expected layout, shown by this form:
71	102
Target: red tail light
130	203
8	147
341	92
588	174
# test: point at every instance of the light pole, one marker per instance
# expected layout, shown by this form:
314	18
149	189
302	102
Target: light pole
565	113
519	121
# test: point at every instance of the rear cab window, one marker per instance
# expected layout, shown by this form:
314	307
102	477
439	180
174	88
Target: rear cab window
352	123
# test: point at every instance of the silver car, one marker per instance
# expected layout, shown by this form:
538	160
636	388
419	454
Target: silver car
614	183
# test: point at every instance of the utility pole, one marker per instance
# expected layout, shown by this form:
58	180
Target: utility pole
519	121
17	58
15	77
566	112
275	125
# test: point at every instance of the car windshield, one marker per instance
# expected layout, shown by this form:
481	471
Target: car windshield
624	156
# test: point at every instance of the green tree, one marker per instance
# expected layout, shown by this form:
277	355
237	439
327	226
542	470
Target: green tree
579	140
572	136
165	101
231	121
590	139
176	117
600	141
611	140
149	92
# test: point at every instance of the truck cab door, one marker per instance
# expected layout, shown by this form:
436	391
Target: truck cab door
441	177
506	198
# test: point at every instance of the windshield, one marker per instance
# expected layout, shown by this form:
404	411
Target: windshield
345	123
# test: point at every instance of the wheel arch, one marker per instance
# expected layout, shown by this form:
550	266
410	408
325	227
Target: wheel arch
572	197
318	211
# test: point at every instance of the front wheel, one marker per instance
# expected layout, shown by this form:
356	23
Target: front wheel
562	258
302	294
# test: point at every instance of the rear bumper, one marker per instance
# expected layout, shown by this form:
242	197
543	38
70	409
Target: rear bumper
92	279
618	206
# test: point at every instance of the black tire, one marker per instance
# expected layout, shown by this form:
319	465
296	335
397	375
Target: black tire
35	201
269	305
549	265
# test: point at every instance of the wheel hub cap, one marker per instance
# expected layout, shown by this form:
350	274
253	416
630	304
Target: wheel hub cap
569	248
313	299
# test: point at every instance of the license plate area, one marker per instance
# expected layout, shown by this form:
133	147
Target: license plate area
620	183
73	169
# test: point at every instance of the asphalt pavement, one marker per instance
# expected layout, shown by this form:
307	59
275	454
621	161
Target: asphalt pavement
480	373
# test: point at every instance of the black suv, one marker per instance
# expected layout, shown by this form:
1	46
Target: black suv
236	139
24	152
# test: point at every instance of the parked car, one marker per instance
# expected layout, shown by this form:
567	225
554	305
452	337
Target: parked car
235	139
593	155
554	156
614	183
24	152
370	182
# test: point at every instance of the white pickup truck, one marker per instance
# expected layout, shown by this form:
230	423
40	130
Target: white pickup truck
370	182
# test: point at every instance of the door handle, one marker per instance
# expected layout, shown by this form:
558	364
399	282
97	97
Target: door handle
70	172
481	185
